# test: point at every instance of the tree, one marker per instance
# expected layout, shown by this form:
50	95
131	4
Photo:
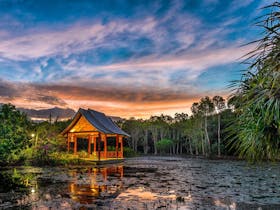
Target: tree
145	126
206	107
180	117
154	128
258	95
177	128
194	134
47	137
134	128
197	115
219	104
14	132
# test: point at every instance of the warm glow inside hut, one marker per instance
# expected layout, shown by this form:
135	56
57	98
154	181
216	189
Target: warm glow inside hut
95	133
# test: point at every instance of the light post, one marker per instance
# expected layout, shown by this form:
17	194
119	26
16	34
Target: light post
36	138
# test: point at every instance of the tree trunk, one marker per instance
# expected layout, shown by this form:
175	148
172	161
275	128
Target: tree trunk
207	136
196	149
146	148
202	146
134	143
190	147
130	143
161	134
154	136
219	135
181	148
202	140
178	136
155	147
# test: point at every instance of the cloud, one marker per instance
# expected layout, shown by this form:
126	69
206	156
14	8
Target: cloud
193	60
8	90
122	101
77	38
155	72
112	93
168	34
147	60
27	93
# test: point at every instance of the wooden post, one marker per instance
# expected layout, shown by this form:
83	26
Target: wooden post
121	141
75	145
99	146
94	148
105	146
68	142
117	146
89	145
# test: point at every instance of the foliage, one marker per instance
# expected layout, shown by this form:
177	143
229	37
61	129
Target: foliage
135	128
83	154
164	145
128	152
111	148
187	134
219	103
194	134
64	159
14	132
258	96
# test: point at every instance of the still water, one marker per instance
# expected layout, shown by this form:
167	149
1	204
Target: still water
144	183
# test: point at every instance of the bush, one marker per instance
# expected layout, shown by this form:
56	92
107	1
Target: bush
164	145
14	133
128	152
83	154
214	149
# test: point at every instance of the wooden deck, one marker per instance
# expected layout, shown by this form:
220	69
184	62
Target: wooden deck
103	161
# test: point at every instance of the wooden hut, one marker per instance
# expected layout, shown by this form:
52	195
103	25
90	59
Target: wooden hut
93	129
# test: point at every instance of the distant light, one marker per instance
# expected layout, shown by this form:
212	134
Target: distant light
32	135
32	190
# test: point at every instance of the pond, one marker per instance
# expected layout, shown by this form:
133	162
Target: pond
144	183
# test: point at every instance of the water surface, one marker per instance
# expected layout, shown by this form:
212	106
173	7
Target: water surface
144	183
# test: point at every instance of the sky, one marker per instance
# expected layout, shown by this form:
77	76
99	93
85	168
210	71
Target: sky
125	58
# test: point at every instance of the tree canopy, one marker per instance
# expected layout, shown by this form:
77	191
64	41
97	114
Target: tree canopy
257	95
14	131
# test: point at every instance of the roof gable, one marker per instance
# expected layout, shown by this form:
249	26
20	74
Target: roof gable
82	125
96	121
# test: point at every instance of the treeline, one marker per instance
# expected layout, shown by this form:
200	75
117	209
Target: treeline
202	133
22	140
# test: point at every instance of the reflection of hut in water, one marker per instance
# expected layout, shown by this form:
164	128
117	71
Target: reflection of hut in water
98	185
96	133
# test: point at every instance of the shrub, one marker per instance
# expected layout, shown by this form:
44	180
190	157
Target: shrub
83	154
128	152
14	133
164	145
